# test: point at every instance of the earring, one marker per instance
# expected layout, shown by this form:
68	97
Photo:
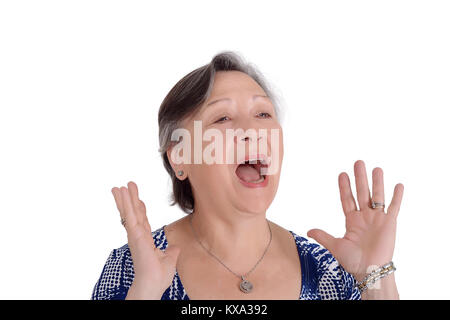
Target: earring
180	173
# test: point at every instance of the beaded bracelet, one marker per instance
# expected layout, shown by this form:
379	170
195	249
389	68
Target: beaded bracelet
375	275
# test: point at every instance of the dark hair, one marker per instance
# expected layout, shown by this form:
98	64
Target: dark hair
185	98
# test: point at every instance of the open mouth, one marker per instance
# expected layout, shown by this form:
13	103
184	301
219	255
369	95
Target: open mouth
250	172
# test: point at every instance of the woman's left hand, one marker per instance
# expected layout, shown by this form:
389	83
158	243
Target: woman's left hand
370	233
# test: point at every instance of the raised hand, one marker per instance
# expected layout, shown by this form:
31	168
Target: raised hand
370	233
154	269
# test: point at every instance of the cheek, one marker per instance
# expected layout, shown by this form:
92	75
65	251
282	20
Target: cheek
281	148
210	176
275	142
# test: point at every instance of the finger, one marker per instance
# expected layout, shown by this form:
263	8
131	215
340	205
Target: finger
378	186
345	190
362	186
129	213
119	204
324	238
394	207
134	194
138	204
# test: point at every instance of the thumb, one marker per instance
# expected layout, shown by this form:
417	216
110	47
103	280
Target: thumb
323	238
171	255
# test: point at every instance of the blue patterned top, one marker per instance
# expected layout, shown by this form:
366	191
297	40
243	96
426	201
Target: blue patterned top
323	278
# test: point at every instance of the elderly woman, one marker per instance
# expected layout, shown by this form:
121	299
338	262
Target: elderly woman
225	247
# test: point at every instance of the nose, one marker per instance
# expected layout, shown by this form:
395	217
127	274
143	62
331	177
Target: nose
248	128
246	138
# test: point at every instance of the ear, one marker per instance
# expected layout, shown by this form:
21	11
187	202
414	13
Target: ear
180	169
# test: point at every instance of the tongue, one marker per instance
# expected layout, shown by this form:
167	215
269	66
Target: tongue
247	173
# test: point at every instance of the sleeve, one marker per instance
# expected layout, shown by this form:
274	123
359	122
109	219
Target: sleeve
334	282
350	290
116	277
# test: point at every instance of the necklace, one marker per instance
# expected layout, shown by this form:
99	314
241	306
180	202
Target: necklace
245	285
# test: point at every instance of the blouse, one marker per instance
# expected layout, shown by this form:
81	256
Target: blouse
323	278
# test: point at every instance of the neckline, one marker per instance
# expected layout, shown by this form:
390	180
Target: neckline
181	289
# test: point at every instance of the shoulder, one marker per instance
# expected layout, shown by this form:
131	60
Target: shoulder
118	273
316	254
324	277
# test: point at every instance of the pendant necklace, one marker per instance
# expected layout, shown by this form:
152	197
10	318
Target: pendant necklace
245	285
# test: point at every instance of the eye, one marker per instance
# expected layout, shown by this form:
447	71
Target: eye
222	119
264	115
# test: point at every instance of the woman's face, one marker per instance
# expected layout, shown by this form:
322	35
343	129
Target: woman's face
221	129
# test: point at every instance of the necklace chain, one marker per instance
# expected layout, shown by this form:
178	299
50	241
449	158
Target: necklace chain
242	277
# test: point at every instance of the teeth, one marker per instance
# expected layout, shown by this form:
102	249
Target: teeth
255	160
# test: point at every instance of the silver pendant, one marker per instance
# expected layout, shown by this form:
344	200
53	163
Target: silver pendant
246	286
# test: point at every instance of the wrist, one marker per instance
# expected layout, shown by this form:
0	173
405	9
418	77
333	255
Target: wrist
367	267
373	276
139	291
384	289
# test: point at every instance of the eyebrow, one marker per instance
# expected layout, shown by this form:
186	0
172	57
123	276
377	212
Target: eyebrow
228	99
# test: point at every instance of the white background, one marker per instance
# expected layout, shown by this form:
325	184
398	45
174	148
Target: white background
80	87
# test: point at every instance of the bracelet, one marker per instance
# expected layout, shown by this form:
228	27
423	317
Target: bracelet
375	275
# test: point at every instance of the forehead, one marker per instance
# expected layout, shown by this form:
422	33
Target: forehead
229	82
229	85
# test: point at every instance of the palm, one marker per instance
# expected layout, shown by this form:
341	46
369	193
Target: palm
153	268
147	259
370	233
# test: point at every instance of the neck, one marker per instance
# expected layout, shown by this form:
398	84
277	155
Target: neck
236	238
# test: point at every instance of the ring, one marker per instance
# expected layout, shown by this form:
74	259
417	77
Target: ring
123	221
377	205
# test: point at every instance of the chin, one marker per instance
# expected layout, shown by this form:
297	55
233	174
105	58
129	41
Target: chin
255	199
256	207
255	203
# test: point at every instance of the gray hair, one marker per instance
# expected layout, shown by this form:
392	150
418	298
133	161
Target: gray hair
186	98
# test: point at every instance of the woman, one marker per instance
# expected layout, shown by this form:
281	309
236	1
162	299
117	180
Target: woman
225	248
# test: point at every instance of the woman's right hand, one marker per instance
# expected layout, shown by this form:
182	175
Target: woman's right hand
154	269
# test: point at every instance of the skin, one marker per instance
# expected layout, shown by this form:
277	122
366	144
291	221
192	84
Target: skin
370	233
230	219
